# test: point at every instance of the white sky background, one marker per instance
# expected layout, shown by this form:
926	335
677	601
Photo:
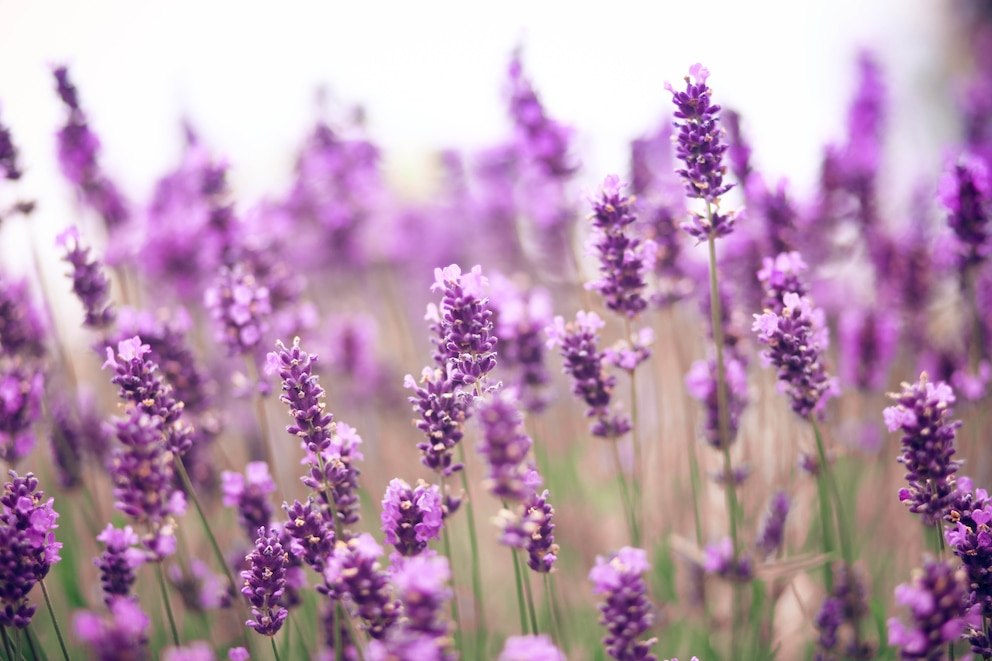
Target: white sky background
431	75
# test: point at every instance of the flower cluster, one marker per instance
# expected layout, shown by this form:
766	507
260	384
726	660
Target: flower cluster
968	532
118	561
123	635
719	559
520	320
463	320
771	532
334	473
22	331
701	382
312	532
936	603
506	448
265	582
21	390
302	393
541	138
532	531
797	339
846	603
354	571
249	493
966	192
623	258
8	156
421	584
627	612
27	546
411	517
89	282
584	363
239	304
442	415
530	648
780	275
921	413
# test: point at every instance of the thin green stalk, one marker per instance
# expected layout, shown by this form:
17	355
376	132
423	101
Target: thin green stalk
34	652
263	421
160	572
7	645
530	598
521	606
843	531
636	472
480	608
625	495
37	651
556	633
446	541
55	622
338	647
275	652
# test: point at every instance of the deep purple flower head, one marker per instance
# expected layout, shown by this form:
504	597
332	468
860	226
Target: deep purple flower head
27	546
143	390
780	275
8	156
624	258
966	192
464	325
718	559
797	339
738	150
532	530
584	363
442	414
701	381
411	517
936	599
968	532
772	529
89	282
540	138
846	604
302	393
118	561
142	472
21	391
354	571
921	413
627	612
506	447
239	305
312	531
249	493
22	329
335	472
520	320
121	637
530	648
421	583
265	582
700	148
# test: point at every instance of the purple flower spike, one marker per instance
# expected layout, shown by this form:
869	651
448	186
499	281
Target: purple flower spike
464	325
354	571
22	331
627	612
938	614
411	517
312	532
421	584
505	447
700	147
542	139
718	559
335	472
442	416
701	383
302	393
239	305
89	282
779	276
530	648
922	414
968	534
118	561
797	339
8	156
265	582
584	362
520	320
538	529
21	392
27	546
124	635
966	191
623	258
249	493
772	530
847	603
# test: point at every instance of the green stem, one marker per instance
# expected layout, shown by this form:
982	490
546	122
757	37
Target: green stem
446	541
480	608
55	622
263	420
556	633
846	550
636	472
521	606
7	645
35	649
530	598
275	652
34	652
160	572
625	494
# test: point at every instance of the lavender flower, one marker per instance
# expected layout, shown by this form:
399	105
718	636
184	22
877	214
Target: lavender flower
797	339
421	584
124	635
8	156
354	571
869	337
846	603
301	391
627	612
464	325
779	276
938	616
738	150
530	648
118	561
966	191
701	382
27	546
968	533
505	447
312	531
921	413
22	331
142	389
411	517
700	148
623	258
21	390
533	531
89	282
442	418
542	139
771	532
718	559
201	588
195	651
265	582
334	473
584	362
239	305
520	320
249	493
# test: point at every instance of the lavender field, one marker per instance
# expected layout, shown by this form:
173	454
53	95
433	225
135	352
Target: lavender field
691	412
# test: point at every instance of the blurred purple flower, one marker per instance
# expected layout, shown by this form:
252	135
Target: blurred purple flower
22	329
124	635
701	383
718	559
530	648
966	192
506	448
249	493
195	651
239	305
771	532
938	616
89	282
520	318
421	583
779	276
353	570
118	561
21	392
